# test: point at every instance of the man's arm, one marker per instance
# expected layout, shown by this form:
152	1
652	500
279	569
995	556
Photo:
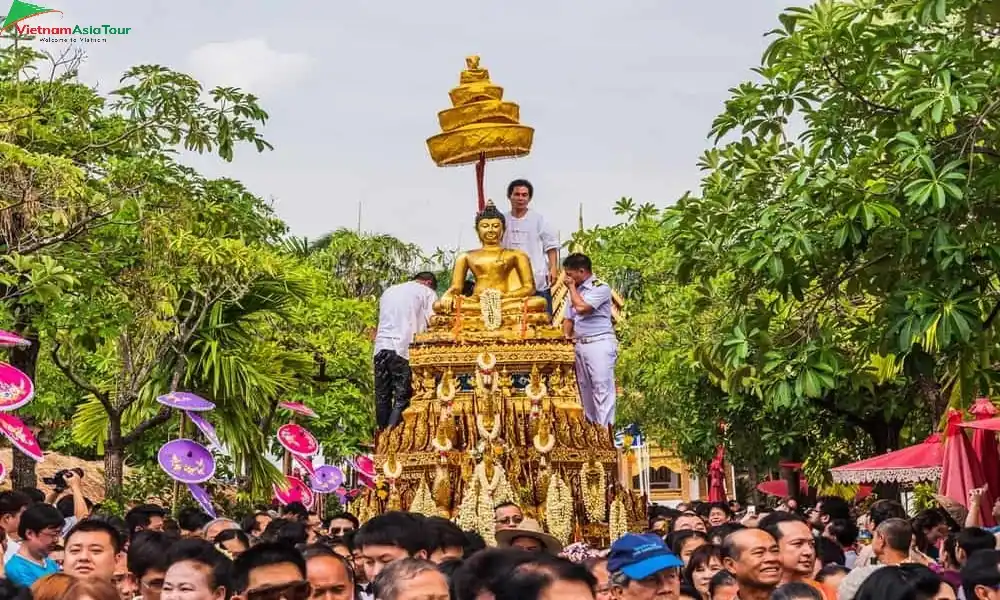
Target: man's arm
550	243
568	328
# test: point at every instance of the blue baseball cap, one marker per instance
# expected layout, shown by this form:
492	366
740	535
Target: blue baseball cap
639	556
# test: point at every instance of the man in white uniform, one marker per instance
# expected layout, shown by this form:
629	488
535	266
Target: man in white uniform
588	323
404	311
527	230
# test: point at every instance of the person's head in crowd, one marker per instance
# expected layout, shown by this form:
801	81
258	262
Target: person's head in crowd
340	547
145	516
754	559
147	561
684	543
507	515
255	523
688	521
342	524
981	575
34	494
12	505
390	537
270	571
702	565
92	549
598	567
902	582
551	578
719	513
842	531
51	587
719	533
68	509
40	528
197	571
883	510
191	521
411	579
91	588
658	525
529	536
446	540
124	581
891	541
449	567
971	540
216	526
827	509
796	590
473	543
232	543
642	566
723	586
328	573
832	575
58	555
315	525
828	552
287	531
930	526
485	572
295	511
795	543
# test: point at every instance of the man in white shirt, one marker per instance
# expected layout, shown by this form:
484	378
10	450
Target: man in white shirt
404	311
528	231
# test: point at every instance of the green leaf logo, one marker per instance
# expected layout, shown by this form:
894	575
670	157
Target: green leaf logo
23	10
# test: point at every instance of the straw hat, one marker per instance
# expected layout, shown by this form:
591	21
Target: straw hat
532	529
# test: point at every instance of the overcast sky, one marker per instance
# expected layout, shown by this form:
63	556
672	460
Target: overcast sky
621	95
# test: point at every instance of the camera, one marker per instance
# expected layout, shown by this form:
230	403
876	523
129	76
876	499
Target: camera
58	480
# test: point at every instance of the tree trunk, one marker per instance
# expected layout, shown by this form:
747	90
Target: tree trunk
885	437
114	458
25	359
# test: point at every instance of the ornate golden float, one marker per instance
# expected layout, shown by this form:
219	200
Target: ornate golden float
496	415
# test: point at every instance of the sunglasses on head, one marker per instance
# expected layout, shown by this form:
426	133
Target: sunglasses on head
296	590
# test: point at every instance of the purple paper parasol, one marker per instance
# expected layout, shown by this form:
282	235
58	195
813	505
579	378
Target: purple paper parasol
16	388
202	498
205	427
8	340
185	401
20	436
186	461
294	491
297	440
326	479
298	408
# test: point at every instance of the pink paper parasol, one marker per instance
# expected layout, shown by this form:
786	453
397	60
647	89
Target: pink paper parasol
297	440
305	463
16	388
202	498
364	465
185	401
186	461
299	409
327	479
206	428
984	443
961	471
294	491
9	340
913	464
20	436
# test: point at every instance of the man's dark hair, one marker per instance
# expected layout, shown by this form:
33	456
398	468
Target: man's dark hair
829	570
520	183
39	517
531	582
973	539
578	260
249	522
924	521
263	555
721	506
295	510
204	553
829	552
845	531
148	552
96	524
771	522
898	534
442	533
676	540
473	543
232	534
487	571
401	529
141	516
834	507
11	591
346	515
192	519
35	495
491	212
11	502
67	506
428	277
883	510
319	550
981	568
286	531
720	579
796	590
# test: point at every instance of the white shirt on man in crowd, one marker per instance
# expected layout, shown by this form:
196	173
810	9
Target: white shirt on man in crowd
532	234
404	310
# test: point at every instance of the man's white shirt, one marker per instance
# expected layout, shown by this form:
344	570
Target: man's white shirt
532	234
404	310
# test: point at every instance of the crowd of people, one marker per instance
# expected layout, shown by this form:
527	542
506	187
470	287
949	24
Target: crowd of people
67	549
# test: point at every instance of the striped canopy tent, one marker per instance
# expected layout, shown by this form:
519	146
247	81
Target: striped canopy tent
913	464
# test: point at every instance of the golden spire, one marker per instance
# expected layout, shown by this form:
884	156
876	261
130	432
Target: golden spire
479	125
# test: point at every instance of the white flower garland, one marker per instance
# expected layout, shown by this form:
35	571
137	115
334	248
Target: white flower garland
392	468
617	520
489	434
488	483
548	445
593	482
446	397
559	509
467	509
535	396
490	306
486	361
423	501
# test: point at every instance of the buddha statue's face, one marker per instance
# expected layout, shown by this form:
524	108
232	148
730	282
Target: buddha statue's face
490	231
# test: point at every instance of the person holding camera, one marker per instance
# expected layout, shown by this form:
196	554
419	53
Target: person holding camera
76	510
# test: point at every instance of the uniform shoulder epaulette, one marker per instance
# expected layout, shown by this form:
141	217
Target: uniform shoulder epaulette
597	282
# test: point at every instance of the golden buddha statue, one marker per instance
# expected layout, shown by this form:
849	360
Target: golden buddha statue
503	277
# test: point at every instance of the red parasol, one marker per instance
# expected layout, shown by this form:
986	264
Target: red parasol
960	469
920	462
779	488
984	441
717	476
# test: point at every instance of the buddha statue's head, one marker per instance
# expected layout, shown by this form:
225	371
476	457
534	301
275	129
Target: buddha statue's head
490	225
